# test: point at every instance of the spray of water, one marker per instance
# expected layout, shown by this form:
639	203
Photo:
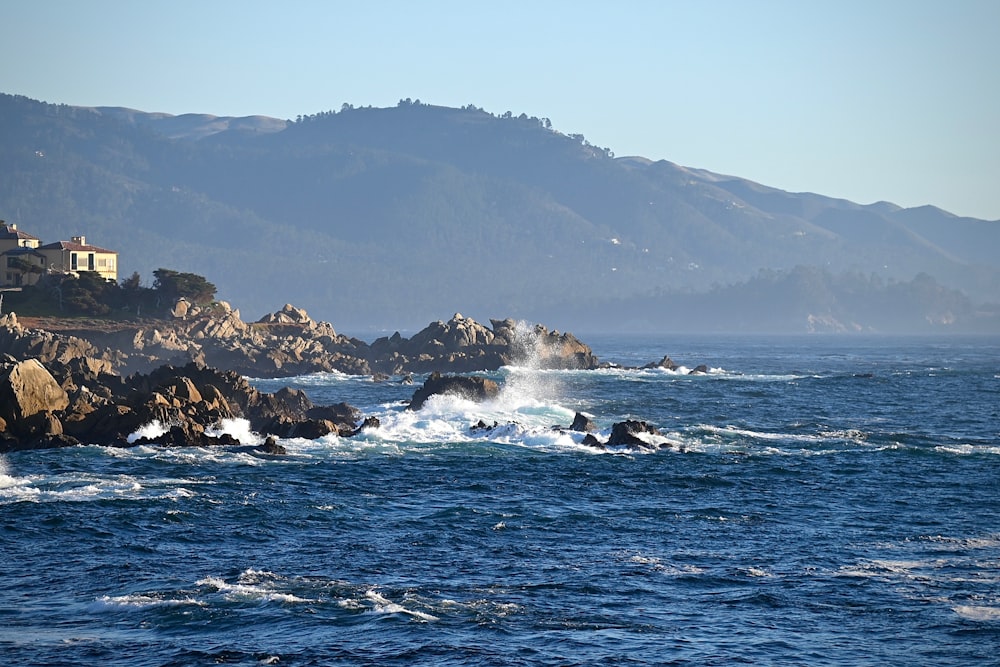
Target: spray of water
526	381
6	479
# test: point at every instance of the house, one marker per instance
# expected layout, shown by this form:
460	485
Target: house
77	255
20	261
23	260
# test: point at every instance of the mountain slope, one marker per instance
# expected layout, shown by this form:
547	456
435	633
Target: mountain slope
388	217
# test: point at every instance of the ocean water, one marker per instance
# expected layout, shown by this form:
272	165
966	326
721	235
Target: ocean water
817	501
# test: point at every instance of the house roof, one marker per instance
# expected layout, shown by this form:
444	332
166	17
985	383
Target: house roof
7	233
76	247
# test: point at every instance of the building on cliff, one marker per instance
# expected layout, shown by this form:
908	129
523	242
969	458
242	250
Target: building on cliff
23	260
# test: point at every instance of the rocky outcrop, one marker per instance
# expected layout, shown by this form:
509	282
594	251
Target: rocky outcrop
582	423
666	363
101	384
472	388
629	434
462	345
189	402
30	399
27	388
288	342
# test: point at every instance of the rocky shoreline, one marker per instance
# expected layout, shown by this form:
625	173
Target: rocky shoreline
101	385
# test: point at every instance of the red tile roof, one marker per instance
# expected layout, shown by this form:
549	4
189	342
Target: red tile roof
7	233
75	247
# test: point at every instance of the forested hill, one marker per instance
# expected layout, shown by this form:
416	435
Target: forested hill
373	217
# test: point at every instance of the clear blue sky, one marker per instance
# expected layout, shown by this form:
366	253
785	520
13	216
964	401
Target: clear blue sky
866	100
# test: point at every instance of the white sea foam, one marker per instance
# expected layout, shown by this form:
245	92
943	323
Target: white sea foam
384	606
83	487
254	586
977	613
152	430
967	449
142	601
8	481
237	428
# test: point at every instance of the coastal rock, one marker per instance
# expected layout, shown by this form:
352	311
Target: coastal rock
288	342
368	423
582	423
472	388
628	434
181	309
26	389
288	314
666	362
271	448
541	348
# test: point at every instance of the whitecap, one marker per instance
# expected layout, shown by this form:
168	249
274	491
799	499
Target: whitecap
252	585
237	428
142	601
384	606
977	613
153	430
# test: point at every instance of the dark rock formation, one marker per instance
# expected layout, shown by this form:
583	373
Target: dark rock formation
271	448
626	434
472	388
666	362
187	400
582	423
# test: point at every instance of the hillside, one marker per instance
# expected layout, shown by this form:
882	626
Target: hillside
393	217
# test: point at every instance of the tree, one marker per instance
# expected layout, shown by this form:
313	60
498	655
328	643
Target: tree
172	285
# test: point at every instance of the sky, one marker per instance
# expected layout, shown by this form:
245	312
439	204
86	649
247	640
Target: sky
894	100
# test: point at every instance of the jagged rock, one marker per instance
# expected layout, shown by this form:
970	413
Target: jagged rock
345	416
666	362
8	444
271	448
27	388
627	434
368	423
180	309
701	369
582	423
592	440
472	388
38	426
188	434
310	429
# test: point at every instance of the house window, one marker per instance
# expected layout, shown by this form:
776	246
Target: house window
72	261
90	261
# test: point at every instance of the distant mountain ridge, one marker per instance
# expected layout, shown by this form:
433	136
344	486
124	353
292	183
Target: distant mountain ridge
373	217
193	125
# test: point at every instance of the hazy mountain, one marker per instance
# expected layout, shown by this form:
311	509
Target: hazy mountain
394	217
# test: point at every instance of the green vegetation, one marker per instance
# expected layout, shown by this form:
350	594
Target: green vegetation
89	295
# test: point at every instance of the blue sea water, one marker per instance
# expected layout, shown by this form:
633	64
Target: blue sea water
818	501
